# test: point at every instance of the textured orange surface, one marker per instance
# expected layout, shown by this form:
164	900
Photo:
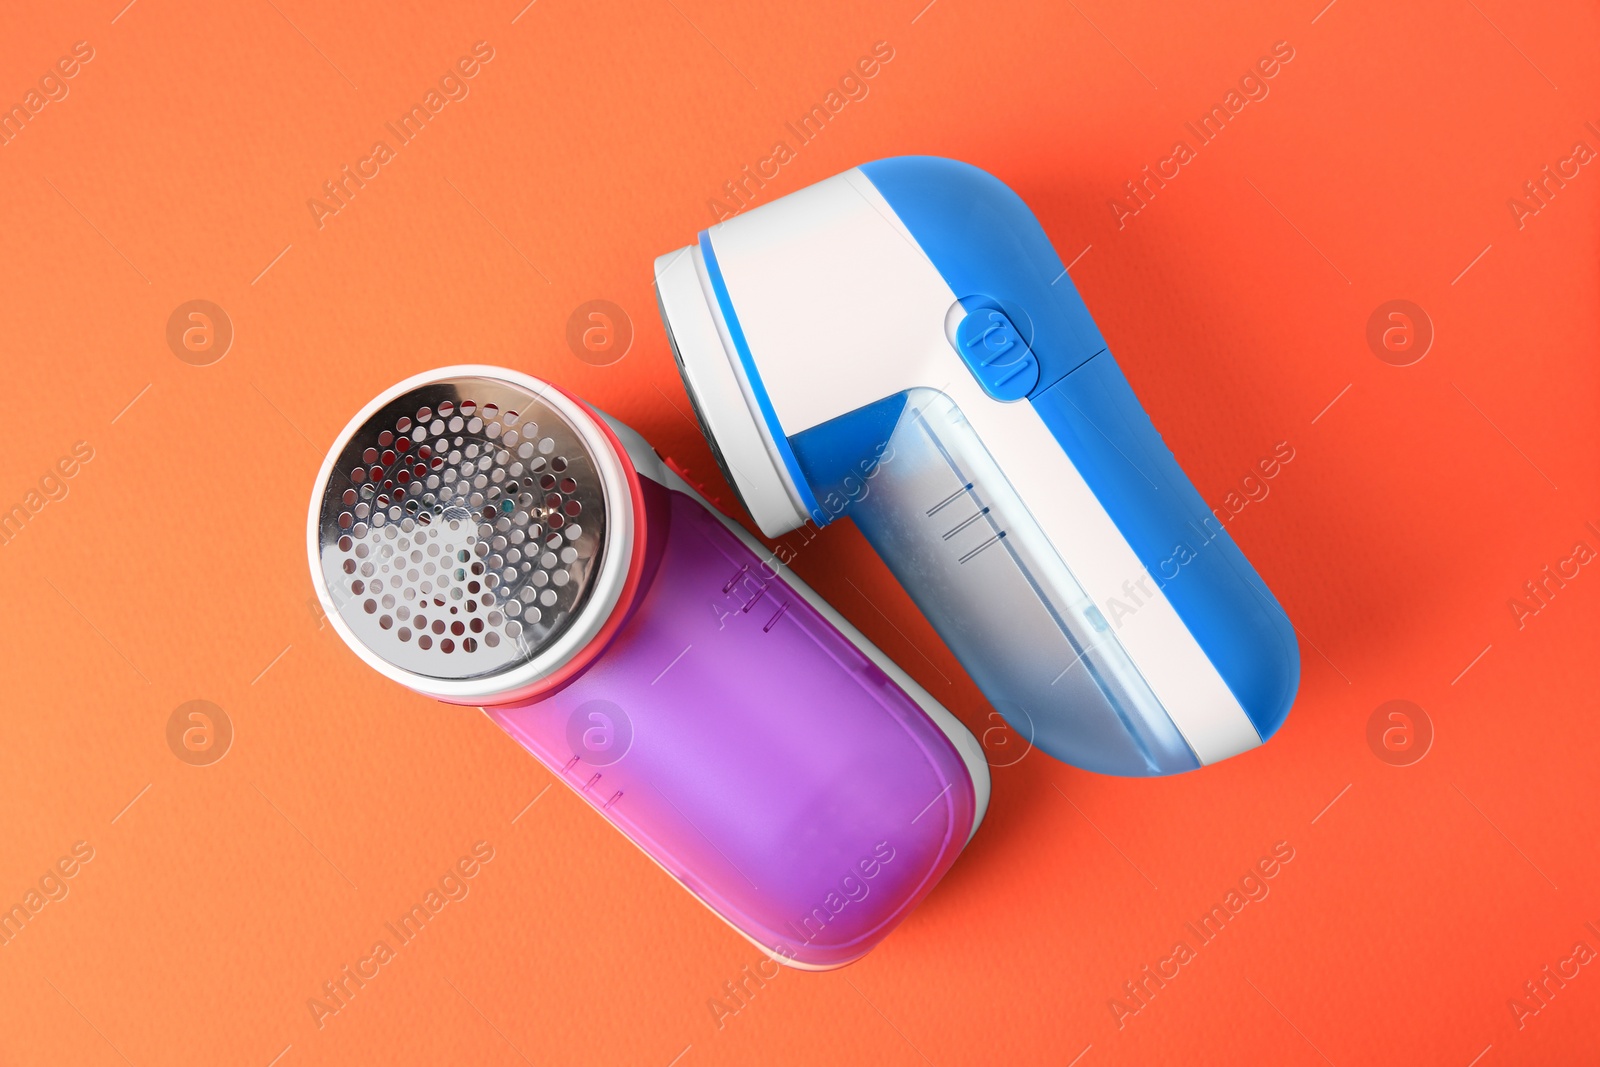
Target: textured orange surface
209	902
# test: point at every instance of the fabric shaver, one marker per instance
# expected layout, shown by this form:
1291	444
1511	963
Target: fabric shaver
482	537
900	344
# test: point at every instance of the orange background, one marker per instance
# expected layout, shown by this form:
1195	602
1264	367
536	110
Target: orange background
221	897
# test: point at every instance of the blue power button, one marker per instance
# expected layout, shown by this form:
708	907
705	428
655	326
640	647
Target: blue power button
997	354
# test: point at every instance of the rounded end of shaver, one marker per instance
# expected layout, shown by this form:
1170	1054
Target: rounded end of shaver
716	383
470	533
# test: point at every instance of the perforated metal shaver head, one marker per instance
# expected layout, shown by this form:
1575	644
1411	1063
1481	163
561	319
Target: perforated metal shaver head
461	529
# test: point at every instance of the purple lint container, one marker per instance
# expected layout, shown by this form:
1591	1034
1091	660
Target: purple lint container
483	537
